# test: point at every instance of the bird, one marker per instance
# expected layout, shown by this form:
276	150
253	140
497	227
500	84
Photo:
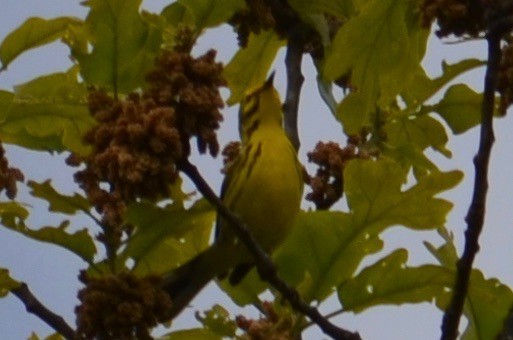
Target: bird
263	186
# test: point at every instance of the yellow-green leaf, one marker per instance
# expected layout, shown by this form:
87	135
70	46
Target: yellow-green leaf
460	108
7	283
488	300
124	45
210	13
34	32
423	88
247	291
173	233
58	202
48	113
380	50
80	242
217	320
192	334
390	281
339	8
422	132
249	66
329	246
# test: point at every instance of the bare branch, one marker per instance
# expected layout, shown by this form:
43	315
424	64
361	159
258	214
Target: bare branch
476	212
34	306
293	59
264	264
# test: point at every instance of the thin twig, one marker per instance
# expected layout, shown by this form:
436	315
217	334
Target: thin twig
264	264
34	306
295	79
476	212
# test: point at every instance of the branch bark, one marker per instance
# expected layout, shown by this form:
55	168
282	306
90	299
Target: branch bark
34	306
476	212
264	264
295	79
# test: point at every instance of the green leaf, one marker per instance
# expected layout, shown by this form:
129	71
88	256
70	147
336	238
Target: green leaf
421	131
390	281
7	283
218	321
460	108
80	242
339	8
124	45
58	202
173	233
381	50
48	113
423	88
34	32
247	291
488	300
353	113
176	13
250	65
210	13
329	246
192	334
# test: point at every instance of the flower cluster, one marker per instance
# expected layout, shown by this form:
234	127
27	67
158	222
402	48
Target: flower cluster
328	183
120	307
8	176
191	87
257	16
458	17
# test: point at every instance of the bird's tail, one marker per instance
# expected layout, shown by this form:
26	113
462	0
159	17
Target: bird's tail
185	282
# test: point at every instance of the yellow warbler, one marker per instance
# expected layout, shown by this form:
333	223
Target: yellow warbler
263	186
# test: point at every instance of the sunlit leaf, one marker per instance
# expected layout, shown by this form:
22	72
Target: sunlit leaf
380	50
488	300
329	246
176	13
339	8
249	66
423	132
247	291
48	113
34	32
460	108
423	88
124	45
217	319
7	283
58	202
192	334
173	233
80	242
210	13
390	281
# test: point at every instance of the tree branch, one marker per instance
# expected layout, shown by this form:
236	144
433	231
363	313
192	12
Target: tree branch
476	212
264	264
295	78
34	306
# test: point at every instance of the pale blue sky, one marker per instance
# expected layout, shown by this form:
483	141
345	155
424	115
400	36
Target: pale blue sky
51	273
